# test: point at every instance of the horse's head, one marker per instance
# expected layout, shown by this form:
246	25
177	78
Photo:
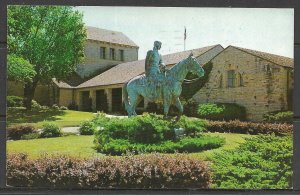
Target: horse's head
195	67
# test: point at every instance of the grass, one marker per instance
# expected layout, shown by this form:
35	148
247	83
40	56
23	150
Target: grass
82	146
73	145
63	118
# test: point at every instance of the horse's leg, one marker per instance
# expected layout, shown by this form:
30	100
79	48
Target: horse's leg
179	107
133	102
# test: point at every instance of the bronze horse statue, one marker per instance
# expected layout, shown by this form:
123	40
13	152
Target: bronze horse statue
167	92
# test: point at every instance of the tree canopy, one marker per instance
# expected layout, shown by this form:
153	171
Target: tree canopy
50	38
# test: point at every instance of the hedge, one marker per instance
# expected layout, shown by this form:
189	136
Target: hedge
279	117
252	128
143	171
16	132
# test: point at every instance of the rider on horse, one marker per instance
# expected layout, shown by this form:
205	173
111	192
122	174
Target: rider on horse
153	67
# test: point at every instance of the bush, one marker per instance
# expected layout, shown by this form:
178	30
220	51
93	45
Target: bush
187	144
249	127
190	108
35	105
63	108
264	162
87	128
55	107
191	126
29	136
279	117
51	130
73	106
143	171
14	101
16	132
222	111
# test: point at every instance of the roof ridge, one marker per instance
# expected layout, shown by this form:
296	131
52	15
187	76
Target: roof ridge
246	49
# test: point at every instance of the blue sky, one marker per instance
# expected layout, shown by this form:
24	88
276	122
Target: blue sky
268	30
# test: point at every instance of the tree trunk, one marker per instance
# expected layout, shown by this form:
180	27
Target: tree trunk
29	90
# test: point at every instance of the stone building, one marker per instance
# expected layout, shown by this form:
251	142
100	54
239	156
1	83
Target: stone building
105	49
104	91
261	82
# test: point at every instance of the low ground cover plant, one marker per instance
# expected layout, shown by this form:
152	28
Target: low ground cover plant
143	171
14	101
264	162
50	130
237	126
279	117
16	132
221	111
187	144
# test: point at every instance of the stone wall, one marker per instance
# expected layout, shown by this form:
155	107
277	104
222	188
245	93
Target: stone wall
65	97
260	85
93	62
41	95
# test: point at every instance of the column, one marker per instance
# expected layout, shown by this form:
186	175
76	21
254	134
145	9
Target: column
109	99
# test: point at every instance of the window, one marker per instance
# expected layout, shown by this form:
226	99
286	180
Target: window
231	78
112	54
241	80
121	55
221	81
102	52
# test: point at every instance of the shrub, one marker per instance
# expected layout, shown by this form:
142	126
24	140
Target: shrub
51	130
152	171
190	108
187	144
87	128
15	132
249	127
264	162
29	136
221	111
63	108
36	106
55	107
279	117
14	101
73	106
191	126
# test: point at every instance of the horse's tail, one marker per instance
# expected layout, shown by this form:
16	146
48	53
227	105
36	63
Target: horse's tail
125	97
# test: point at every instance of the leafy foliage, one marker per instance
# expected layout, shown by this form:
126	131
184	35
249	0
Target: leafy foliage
187	144
190	108
16	132
249	127
19	69
14	101
143	171
29	136
279	117
87	128
51	130
50	38
264	162
221	111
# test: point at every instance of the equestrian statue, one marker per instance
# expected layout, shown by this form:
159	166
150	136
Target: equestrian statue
159	84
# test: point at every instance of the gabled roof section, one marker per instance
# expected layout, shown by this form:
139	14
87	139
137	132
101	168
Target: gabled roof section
276	59
126	71
109	36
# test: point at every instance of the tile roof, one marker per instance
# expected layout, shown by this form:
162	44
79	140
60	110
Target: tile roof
104	35
279	60
126	71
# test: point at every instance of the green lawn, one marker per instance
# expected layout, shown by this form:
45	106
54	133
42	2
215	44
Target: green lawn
63	118
82	146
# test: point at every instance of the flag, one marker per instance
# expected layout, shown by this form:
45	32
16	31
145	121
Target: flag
184	33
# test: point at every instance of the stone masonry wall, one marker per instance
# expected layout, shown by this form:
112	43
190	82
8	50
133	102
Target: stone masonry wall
260	85
93	62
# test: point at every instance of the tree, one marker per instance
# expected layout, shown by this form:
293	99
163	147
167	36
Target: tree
50	38
19	69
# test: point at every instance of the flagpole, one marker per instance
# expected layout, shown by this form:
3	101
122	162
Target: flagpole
184	37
